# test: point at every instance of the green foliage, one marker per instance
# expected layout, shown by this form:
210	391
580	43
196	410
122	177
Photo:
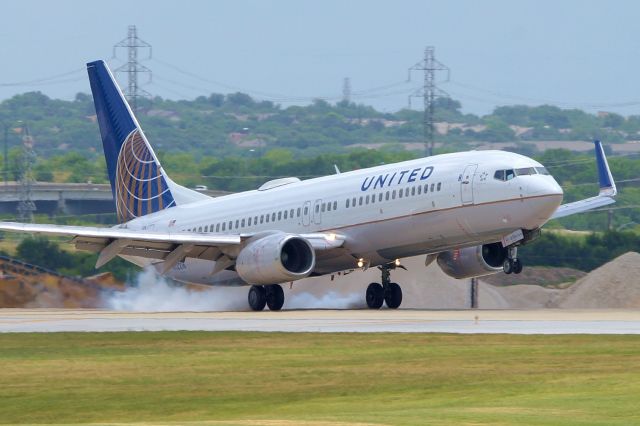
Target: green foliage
43	252
579	252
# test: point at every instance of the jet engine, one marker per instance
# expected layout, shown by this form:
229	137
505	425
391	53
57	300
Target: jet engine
473	261
275	258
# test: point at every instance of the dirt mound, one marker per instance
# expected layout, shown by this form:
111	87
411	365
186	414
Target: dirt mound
613	285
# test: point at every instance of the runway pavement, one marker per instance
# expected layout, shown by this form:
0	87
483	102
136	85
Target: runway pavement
405	321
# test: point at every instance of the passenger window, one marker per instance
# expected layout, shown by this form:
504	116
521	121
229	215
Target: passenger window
317	208
353	202
199	228
217	227
242	224
413	191
291	213
335	205
426	188
237	223
329	206
286	214
224	226
433	186
230	225
255	220
266	218
380	197
273	217
348	200
400	193
439	186
261	218
373	198
279	215
361	199
305	211
406	192
393	194
323	207
386	197
367	200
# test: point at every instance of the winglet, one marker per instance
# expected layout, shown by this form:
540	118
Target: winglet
606	182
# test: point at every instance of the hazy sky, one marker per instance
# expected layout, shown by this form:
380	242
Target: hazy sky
571	53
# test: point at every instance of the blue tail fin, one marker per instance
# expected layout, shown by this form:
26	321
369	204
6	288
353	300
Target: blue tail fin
605	179
138	183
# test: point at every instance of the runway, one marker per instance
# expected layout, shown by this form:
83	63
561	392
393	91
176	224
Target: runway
325	321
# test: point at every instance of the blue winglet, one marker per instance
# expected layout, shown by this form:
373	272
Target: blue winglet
605	179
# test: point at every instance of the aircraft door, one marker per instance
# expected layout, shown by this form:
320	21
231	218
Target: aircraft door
317	212
306	213
466	183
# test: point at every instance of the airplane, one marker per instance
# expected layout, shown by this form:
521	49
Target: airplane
468	211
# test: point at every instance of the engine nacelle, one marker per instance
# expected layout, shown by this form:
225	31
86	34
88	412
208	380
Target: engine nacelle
276	258
473	261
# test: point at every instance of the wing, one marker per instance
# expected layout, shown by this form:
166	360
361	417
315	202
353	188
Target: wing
168	247
605	196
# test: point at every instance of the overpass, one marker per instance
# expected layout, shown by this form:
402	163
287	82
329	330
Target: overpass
65	198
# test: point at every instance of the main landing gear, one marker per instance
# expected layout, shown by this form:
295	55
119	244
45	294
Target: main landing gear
512	264
388	292
269	295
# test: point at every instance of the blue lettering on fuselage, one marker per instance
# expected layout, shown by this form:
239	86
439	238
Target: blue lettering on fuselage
378	181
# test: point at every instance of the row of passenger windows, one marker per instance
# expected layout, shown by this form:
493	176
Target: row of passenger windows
509	174
319	207
406	192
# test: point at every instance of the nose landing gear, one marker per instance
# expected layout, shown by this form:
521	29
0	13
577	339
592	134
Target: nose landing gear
388	292
512	264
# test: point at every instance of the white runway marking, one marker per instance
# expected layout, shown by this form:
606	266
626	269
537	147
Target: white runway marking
403	321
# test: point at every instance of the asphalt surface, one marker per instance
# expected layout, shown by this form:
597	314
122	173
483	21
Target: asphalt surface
405	321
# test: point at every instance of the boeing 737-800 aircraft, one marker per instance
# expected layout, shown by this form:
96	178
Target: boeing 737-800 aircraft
469	211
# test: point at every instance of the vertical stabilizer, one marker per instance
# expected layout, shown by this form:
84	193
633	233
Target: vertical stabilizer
138	182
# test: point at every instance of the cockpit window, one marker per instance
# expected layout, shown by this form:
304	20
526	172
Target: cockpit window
525	171
499	174
542	171
509	174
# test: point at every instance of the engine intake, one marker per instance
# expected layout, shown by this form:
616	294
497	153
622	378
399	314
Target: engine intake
275	258
472	262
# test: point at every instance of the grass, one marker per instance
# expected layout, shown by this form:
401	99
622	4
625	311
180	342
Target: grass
248	378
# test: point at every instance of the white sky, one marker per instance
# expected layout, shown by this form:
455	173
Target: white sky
570	53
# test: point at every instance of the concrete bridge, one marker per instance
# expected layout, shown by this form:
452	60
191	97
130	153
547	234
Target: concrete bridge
65	198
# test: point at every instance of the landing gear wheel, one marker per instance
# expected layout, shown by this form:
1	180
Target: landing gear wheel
257	297
393	296
275	297
517	266
507	266
375	296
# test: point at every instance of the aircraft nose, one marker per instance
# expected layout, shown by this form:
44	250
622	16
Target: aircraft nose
544	185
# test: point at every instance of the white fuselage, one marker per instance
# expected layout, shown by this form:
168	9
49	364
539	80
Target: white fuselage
384	213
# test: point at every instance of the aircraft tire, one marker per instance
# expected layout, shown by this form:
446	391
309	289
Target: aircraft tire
375	296
257	297
275	297
393	296
517	266
507	266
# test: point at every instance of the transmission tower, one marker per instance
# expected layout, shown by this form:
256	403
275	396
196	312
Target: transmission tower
346	90
26	206
429	92
132	67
